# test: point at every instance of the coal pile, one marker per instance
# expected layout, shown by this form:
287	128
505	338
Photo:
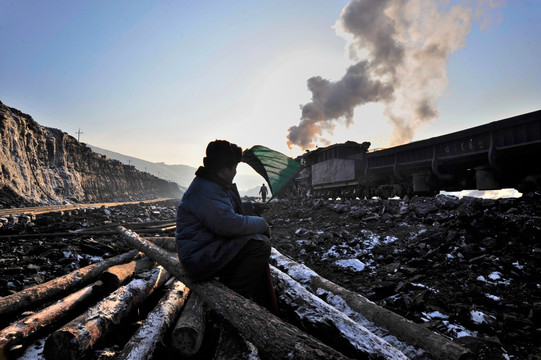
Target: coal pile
467	268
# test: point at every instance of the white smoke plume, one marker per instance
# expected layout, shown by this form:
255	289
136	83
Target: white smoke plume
400	50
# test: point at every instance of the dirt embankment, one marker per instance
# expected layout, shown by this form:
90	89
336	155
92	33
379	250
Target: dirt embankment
43	165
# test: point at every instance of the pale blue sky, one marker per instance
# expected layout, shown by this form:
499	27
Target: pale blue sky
158	80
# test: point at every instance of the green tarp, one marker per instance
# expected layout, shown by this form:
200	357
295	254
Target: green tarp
276	168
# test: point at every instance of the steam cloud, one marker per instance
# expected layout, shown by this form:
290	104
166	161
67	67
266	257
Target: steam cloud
400	49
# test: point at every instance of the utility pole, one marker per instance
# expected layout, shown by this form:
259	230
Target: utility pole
79	132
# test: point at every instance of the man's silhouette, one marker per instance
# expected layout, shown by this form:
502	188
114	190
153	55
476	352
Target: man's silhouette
263	191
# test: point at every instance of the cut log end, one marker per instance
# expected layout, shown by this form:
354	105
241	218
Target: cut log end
186	341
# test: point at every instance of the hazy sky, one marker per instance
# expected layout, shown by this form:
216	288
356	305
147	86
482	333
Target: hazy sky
158	80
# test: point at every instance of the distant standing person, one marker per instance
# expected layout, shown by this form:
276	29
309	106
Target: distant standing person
263	191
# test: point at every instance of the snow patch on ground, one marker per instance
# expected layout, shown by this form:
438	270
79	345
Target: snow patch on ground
351	264
494	278
458	331
479	317
358	247
34	351
434	315
493	297
435	291
517	265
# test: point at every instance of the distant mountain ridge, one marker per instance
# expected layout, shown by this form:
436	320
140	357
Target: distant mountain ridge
181	174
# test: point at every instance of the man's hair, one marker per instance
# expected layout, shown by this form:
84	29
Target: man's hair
220	154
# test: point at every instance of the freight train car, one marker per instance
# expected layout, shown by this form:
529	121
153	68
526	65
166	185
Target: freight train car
334	170
500	154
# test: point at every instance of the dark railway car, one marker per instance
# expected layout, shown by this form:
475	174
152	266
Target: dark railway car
500	154
334	170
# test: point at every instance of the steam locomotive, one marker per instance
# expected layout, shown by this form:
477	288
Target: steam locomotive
497	155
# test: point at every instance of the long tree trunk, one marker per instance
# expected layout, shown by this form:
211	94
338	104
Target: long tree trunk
274	338
329	324
21	331
145	340
167	243
76	337
414	334
233	346
50	289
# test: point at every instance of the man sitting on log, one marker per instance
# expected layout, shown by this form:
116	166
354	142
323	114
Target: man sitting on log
214	236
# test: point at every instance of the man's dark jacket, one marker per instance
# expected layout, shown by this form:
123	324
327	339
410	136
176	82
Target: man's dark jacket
211	225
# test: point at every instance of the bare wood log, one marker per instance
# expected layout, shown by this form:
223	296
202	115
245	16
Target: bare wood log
187	336
151	224
274	338
144	342
50	289
159	230
20	332
414	334
165	242
331	325
117	275
79	335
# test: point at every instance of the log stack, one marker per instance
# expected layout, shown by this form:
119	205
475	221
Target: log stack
205	320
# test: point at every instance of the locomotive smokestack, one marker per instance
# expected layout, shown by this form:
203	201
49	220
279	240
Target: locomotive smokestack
400	49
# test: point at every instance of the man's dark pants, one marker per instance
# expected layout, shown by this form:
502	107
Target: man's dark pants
246	273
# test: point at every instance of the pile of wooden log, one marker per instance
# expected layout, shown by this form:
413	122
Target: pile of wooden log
318	319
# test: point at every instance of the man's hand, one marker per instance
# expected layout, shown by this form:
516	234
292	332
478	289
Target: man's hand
267	232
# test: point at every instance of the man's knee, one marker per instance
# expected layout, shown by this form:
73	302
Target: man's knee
260	247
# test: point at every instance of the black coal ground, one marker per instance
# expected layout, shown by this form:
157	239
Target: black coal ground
467	268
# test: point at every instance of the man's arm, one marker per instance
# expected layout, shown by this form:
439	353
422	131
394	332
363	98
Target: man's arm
215	211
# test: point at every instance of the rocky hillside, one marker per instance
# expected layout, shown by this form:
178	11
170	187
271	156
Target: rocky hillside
41	165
